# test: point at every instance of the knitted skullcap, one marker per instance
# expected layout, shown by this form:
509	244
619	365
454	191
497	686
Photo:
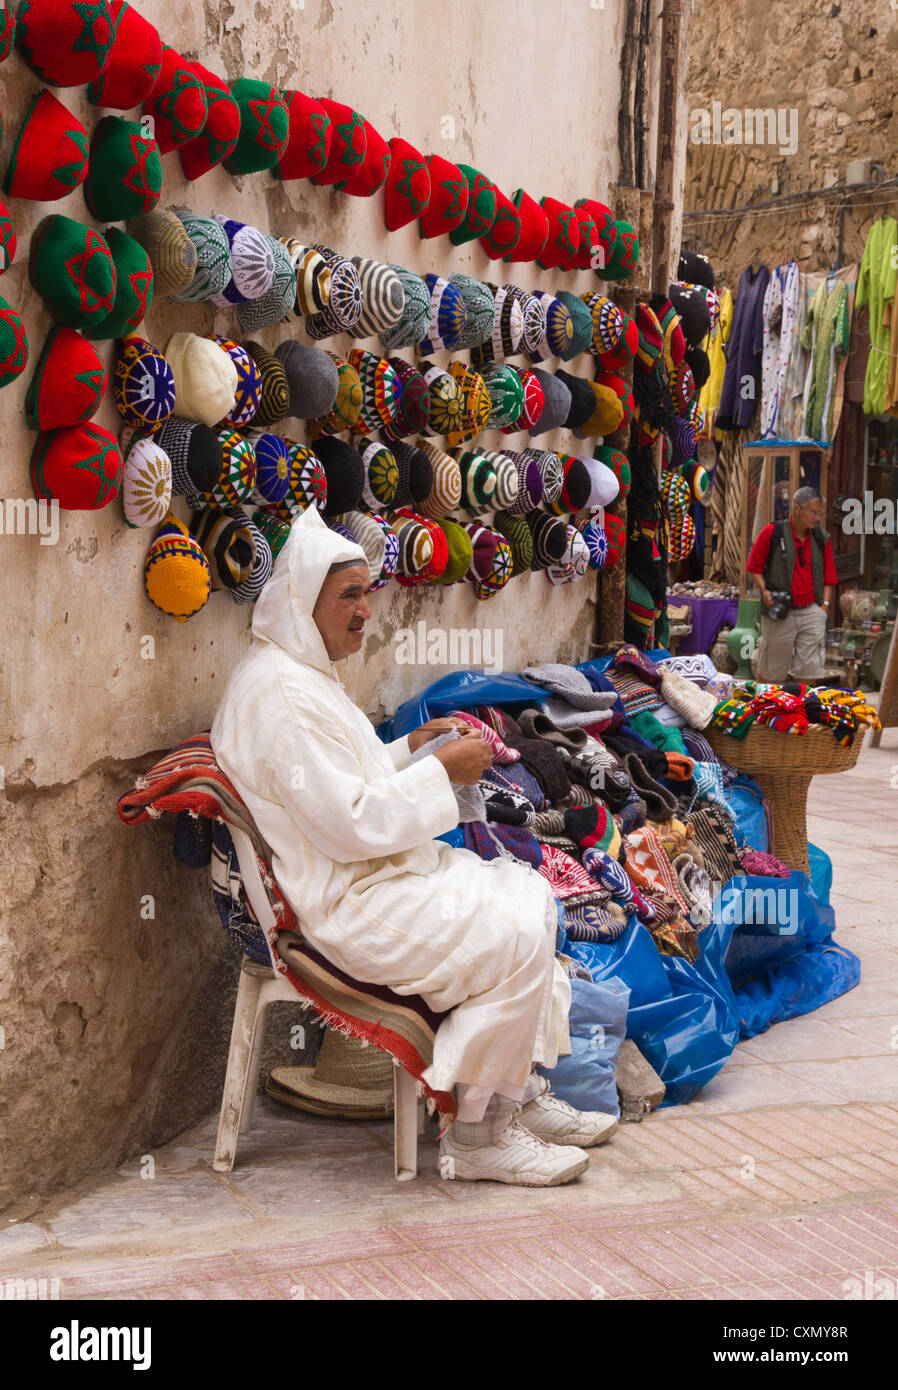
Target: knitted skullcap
582	399
172	253
626	348
699	365
132	65
378	540
447	315
551	472
274	394
249	382
505	233
507	487
143	384
195	452
307	485
691	303
439	556
534	401
506	392
460	551
146	482
550	539
383	297
606	416
366	178
446	402
508	328
278	301
412	324
682	388
249	588
273	529
237	477
64	42
581	324
478	479
71	267
381	474
407	186
220	134
124	178
415	474
227	544
8	241
68	382
651	337
616	535
530	482
672	329
213	258
252	263
586	254
520	541
480	307
563	241
176	572
624	255
7	28
556	402
346	407
533	228
313	278
534	313
348	146
133	287
481	210
607	322
49	158
491	562
345	473
344	307
415	545
205	378
576	485
576	554
593	533
414	403
558	329
619	466
697	478
449	197
445	493
272	467
696	269
309	137
80	467
177	102
685	444
381	390
312	379
476	403
264	127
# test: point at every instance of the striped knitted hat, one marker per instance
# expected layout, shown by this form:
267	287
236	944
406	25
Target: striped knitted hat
68	382
379	541
177	102
697	478
414	404
551	472
412	324
381	390
252	263
534	313
383	297
507	487
558	329
592	530
530	481
445	493
449	197
480	306
195	452
313	278
415	474
550	539
308	139
491	562
447	315
172	252
274	393
415	545
213	258
219	136
264	127
346	407
446	401
381	474
344	308
227	544
272	467
507	332
520	541
278	301
506	392
124	177
439	557
176	572
143	385
249	589
273	529
146	482
248	391
478	479
237	478
534	401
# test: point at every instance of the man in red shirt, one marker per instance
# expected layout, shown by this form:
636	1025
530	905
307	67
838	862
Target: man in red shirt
796	558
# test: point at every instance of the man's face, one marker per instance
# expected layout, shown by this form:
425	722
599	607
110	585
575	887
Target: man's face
341	611
809	514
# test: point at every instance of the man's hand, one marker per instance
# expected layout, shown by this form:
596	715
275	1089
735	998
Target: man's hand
767	598
434	727
465	759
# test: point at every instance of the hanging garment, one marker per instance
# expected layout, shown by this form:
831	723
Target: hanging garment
714	344
825	335
351	824
790	419
876	287
741	380
780	312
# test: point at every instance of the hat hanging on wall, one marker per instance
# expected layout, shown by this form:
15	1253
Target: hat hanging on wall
383	297
264	127
534	402
349	143
407	186
411	326
50	156
479	310
133	287
446	401
68	382
143	384
146	482
172	253
366	178
80	467
345	474
309	137
205	378
213	257
177	103
133	63
348	403
177	578
251	255
71	267
124	178
272	467
505	233
278	302
219	135
448	315
563	240
65	42
414	403
344	306
312	379
449	198
313	278
249	382
481	210
534	229
274	393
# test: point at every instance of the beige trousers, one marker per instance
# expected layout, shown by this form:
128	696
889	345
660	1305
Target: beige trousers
795	646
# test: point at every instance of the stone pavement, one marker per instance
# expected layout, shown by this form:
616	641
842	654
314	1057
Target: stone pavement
778	1181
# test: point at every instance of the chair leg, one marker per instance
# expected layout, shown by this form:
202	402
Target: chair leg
405	1124
237	1075
255	1059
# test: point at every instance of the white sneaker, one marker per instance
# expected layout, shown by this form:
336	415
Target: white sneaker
517	1157
556	1122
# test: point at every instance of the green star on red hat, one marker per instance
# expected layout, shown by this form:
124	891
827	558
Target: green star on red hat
349	143
449	198
482	207
407	189
13	344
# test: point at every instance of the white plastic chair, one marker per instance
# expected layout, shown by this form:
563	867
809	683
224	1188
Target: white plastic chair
261	985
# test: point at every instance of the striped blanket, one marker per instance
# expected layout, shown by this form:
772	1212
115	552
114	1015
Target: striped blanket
189	779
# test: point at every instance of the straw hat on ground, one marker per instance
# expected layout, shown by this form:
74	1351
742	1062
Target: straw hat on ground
347	1080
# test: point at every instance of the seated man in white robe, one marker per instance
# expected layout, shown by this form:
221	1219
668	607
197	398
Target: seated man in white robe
352	824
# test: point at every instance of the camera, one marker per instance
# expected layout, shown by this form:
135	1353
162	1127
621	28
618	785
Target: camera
782	602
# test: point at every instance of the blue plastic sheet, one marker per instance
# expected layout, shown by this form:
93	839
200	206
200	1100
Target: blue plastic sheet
746	802
598	1024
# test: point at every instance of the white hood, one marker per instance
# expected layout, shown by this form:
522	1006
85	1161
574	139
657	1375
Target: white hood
283	614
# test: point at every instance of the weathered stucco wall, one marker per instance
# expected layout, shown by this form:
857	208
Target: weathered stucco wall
115	1026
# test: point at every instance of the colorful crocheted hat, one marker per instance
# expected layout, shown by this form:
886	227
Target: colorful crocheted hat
65	42
459	551
68	382
582	258
381	474
79	467
274	393
481	210
237	478
534	401
551	472
345	474
556	402
557	331
520	541
8	241
349	143
133	63
415	540
383	297
624	257
431	571
449	198
309	137
625	350
379	541
213	258
506	392
252	263
205	378
475	404
605	233
530	482
491	561
146	482
172	253
619	465
407	186
133	287
563	240
346	407
313	278
264	127
195	453
445	491
274	530
445	399
307	483
592	530
478	479
176	573
143	384
344	307
272	467
249	382
479	310
414	404
221	131
576	485
508	328
177	102
71	267
312	379
381	391
447	315
279	301
534	312
581	324
550	539
125	174
227	545
697	478
412	324
49	157
534	231
616	536
505	233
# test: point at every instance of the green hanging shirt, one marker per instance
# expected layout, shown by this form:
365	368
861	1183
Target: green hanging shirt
876	287
825	336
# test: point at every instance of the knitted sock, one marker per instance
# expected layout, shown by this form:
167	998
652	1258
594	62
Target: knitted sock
659	802
479	1133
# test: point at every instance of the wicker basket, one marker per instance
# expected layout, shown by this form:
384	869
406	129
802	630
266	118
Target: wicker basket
784	764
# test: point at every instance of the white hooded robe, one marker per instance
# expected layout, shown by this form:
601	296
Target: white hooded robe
351	824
